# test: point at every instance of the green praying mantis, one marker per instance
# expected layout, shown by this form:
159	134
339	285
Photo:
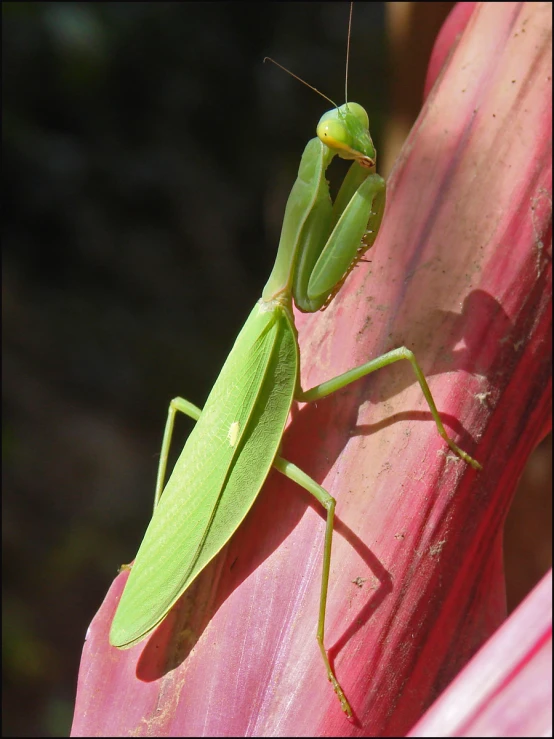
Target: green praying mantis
237	437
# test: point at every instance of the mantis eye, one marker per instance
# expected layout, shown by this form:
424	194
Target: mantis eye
334	134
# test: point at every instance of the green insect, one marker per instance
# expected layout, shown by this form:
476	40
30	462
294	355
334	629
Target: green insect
238	434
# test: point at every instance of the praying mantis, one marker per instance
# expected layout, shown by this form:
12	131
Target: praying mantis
237	437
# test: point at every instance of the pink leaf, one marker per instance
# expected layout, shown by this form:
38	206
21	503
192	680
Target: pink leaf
506	689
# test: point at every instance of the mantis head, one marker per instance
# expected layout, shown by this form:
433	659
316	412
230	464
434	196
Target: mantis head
345	131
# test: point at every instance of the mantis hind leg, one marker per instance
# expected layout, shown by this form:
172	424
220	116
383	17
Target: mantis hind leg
189	409
293	472
326	388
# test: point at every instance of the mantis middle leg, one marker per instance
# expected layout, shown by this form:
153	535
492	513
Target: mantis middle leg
326	388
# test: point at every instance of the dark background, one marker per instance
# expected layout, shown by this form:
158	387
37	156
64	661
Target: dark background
148	154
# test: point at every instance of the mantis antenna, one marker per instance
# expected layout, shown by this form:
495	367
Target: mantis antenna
296	77
347	55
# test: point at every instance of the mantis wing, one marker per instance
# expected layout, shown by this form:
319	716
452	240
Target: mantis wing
218	475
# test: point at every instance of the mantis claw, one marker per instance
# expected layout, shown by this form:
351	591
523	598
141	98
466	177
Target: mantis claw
345	705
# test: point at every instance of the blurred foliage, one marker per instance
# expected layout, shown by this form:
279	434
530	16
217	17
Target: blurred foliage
148	154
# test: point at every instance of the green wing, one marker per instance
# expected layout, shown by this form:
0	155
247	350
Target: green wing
218	475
